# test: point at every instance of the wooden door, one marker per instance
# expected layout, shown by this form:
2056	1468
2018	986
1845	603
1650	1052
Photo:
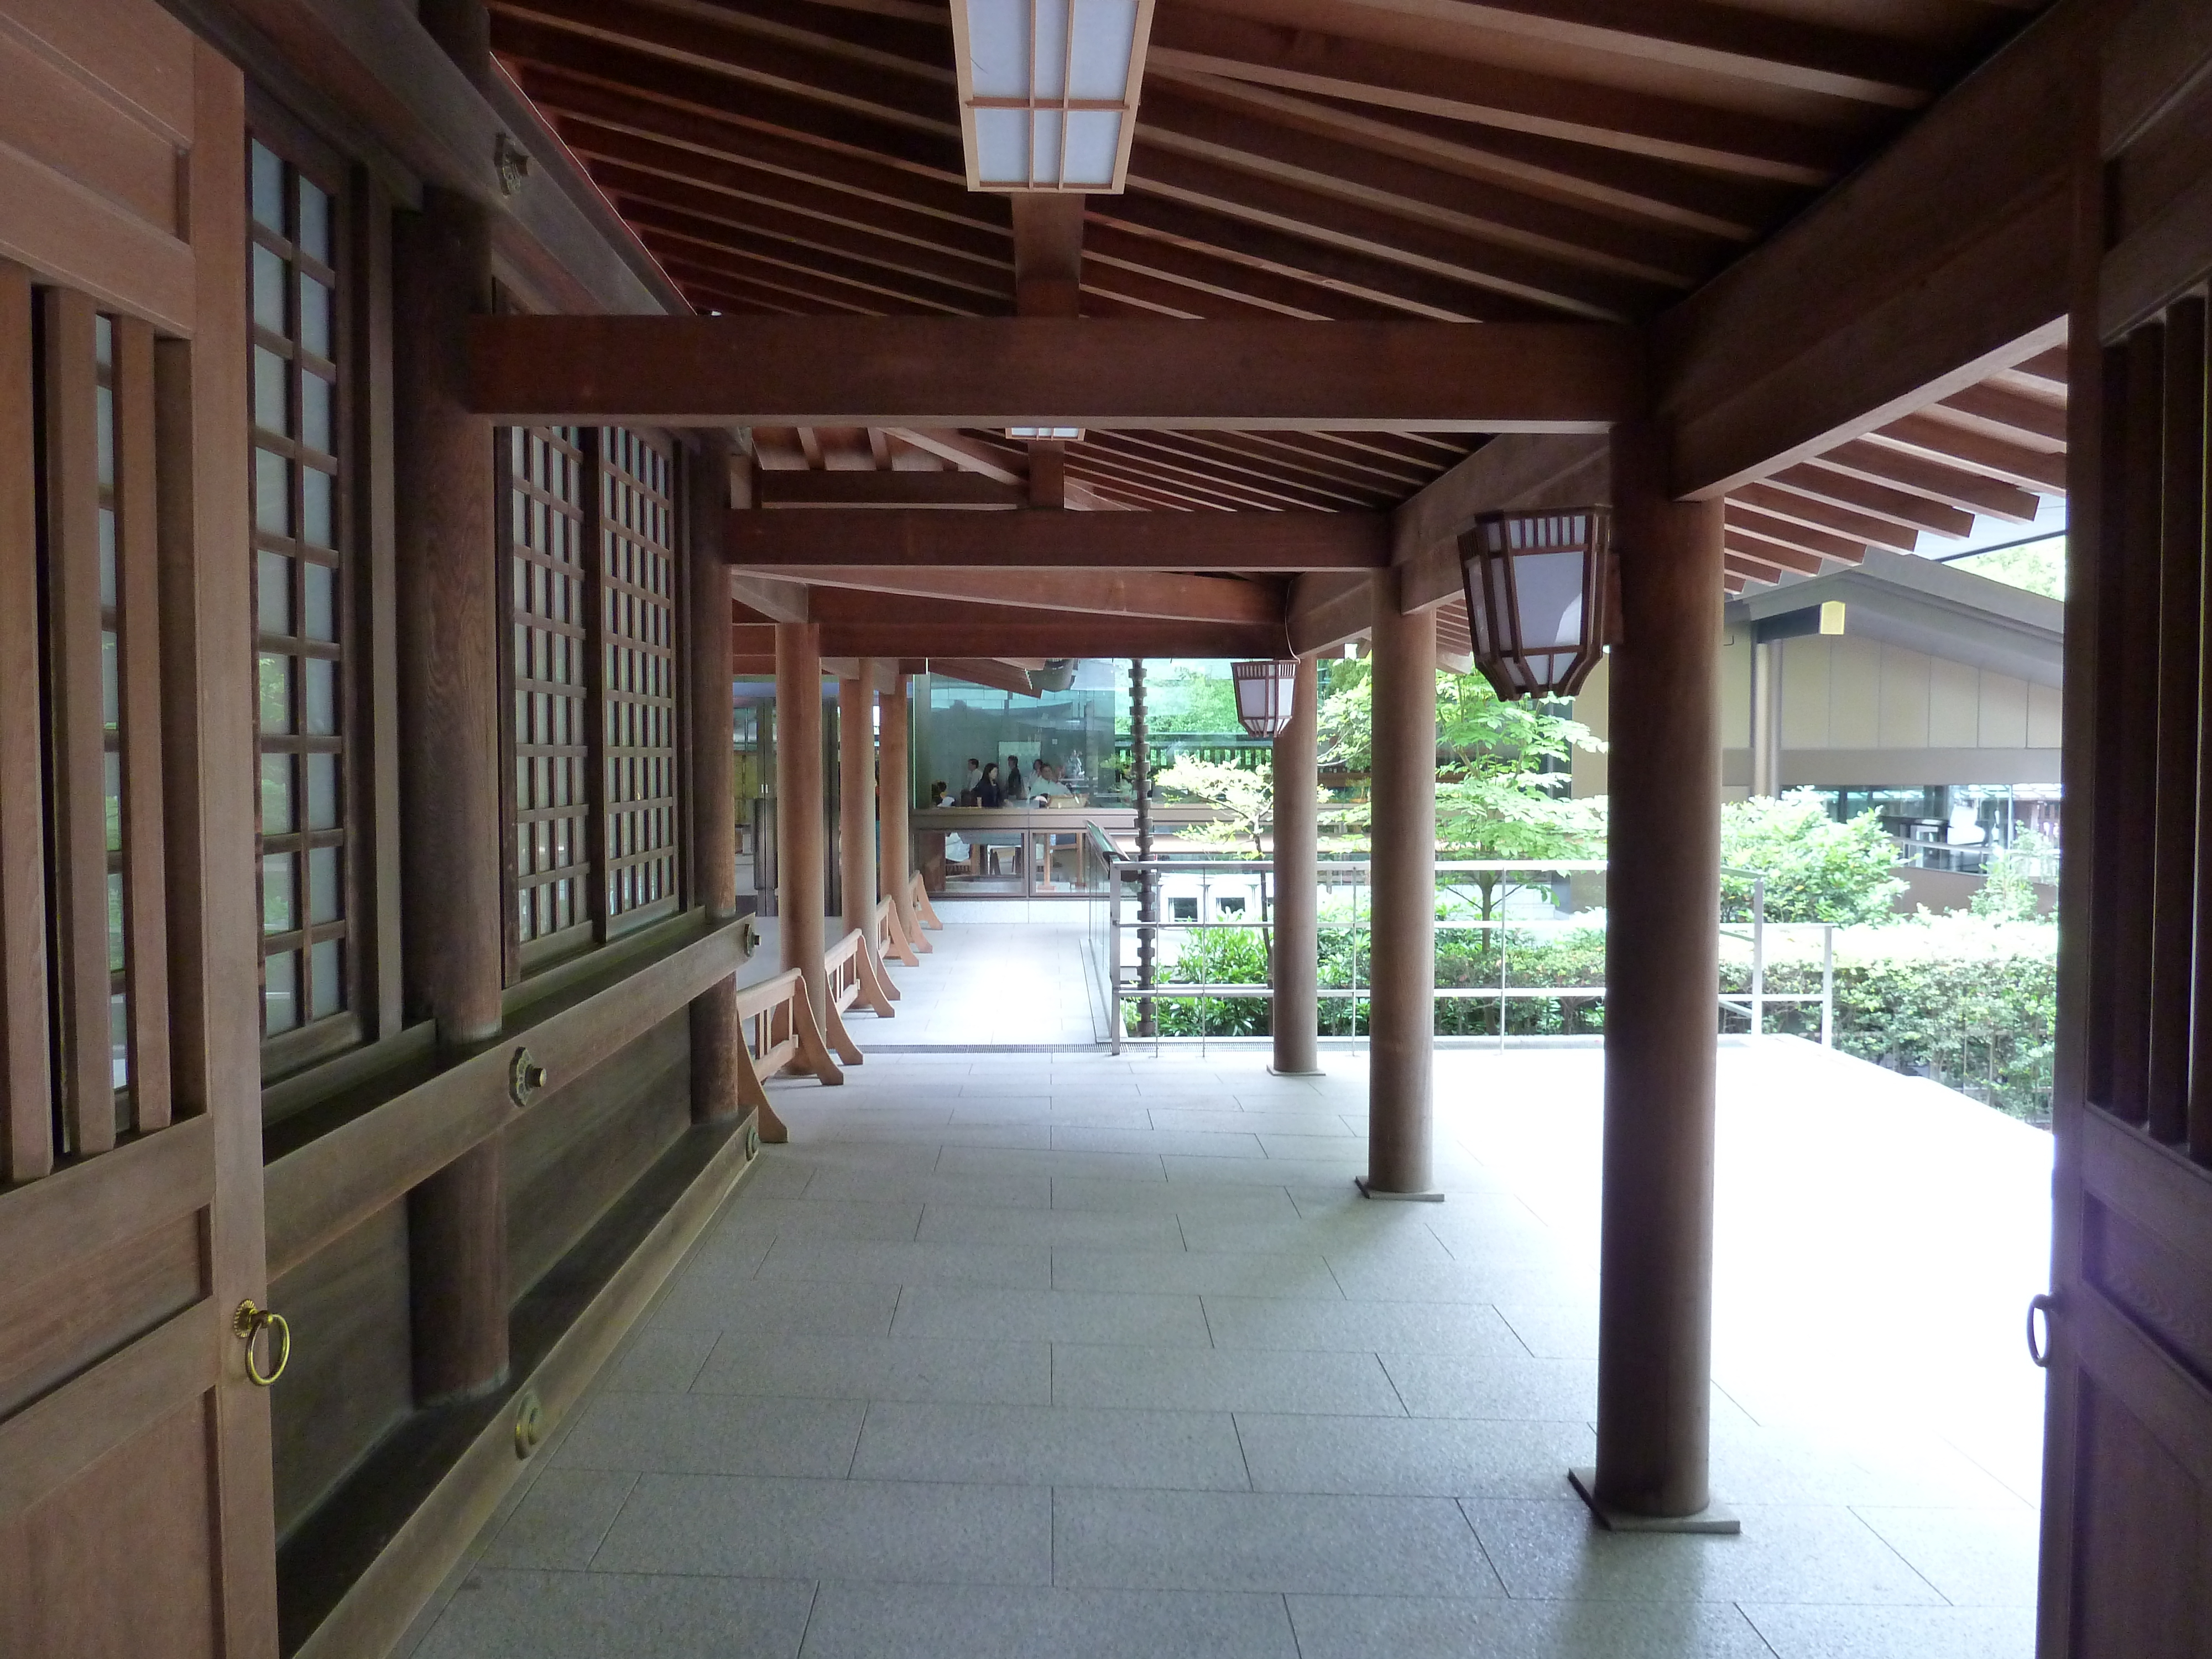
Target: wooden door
2127	1563
135	1507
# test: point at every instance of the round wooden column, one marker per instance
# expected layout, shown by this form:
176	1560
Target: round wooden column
856	797
894	798
1297	938
1401	1006
1663	898
714	1032
799	896
447	594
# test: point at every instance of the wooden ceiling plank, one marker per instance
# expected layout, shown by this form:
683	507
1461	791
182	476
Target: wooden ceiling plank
1050	634
999	372
1745	568
1198	484
885	489
647	199
1360	486
1453	201
1294	209
764	263
1782	517
1637	189
1900	506
2030	469
789	293
1266	488
1309	60
1968	490
1366	468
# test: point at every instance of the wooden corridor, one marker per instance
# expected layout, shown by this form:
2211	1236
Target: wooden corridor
414	414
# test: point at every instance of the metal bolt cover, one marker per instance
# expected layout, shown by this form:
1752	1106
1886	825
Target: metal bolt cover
529	1422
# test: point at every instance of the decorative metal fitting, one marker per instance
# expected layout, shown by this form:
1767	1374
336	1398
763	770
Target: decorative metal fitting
529	1424
748	938
525	1077
248	1322
752	1141
512	162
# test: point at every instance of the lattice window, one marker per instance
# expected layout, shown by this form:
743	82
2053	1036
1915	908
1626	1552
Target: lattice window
299	611
549	844
638	696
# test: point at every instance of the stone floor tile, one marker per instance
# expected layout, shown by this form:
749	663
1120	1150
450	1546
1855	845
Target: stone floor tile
779	1217
1153	1140
853	1261
1051	1445
1447	1328
1786	1553
975	1621
702	1302
1272	1118
1269	1171
661	1361
1819	1633
1161	1198
1552	1330
590	1615
1006	1191
1428	1627
714	1434
972	1161
1371	1280
880	1368
1051	1317
903	1531
1411	1457
1274	1235
1181	1272
562	1519
1266	1541
969	1224
1220	1379
1976	1558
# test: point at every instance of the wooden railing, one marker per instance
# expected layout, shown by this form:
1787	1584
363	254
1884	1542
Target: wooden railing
920	894
776	1028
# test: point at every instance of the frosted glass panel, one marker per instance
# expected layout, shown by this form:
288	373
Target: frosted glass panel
1551	589
1105	31
1050	75
1094	140
1044	165
1001	146
999	48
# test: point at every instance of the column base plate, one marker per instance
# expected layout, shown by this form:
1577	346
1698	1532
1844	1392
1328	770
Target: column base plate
1714	1519
1365	1191
1277	1071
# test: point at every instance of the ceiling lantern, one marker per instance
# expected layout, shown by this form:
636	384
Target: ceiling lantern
1538	597
1058	674
1048	90
1263	695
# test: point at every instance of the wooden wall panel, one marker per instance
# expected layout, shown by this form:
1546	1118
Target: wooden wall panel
53	1326
578	1150
351	1379
57	118
102	1567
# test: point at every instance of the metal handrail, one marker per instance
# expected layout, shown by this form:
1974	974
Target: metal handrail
1119	990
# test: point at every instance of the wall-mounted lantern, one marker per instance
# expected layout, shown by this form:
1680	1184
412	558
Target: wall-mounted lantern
1048	90
1264	690
1538	597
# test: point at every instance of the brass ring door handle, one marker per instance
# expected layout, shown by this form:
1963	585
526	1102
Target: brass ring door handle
249	1322
2039	1351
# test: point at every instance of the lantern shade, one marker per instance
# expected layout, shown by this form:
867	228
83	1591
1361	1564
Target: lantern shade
1048	90
1538	597
1057	675
1263	695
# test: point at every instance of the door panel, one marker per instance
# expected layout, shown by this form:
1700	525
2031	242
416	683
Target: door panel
134	1481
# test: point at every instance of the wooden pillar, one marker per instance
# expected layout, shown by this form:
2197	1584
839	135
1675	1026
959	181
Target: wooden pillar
799	896
1297	938
715	1034
856	796
1401	1006
894	798
448	595
1655	1319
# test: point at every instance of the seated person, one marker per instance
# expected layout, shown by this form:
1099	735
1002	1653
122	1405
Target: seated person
1042	782
937	797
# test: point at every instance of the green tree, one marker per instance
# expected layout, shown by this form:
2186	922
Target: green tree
1816	868
2008	892
1244	793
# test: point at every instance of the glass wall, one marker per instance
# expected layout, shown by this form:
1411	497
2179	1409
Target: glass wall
956	721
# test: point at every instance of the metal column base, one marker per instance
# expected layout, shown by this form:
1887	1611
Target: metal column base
1274	1071
1365	1191
1714	1519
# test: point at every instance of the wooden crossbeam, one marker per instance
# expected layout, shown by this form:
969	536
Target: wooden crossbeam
1001	372
1092	592
2030	469
988	631
1059	541
1758	547
1957	486
1788	505
1900	506
884	490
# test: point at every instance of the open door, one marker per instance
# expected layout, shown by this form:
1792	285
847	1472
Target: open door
135	1511
2127	1559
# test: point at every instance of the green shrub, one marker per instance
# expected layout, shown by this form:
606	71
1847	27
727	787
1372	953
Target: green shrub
1816	869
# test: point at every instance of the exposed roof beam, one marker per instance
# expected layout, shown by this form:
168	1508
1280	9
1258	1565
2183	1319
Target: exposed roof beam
1743	567
1970	491
1770	552
1340	66
1761	506
2030	469
985	672
2008	411
1940	261
1513	471
998	372
1326	608
1056	541
1096	592
1899	507
984	630
886	490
